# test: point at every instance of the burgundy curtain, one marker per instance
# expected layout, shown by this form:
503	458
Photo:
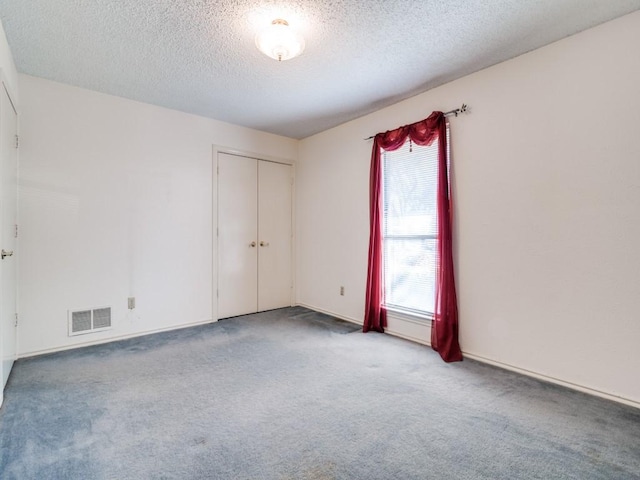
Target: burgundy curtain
444	330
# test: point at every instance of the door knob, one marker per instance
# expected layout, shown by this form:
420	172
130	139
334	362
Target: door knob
252	244
264	244
6	254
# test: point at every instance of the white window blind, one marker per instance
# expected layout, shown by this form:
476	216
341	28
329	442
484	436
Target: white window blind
410	228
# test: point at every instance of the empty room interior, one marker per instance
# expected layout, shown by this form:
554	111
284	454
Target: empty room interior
211	266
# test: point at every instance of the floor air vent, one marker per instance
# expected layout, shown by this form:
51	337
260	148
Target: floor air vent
89	321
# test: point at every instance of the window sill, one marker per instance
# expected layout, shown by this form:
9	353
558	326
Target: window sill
407	316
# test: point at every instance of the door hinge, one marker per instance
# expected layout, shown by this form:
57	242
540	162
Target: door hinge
16	324
15	232
17	141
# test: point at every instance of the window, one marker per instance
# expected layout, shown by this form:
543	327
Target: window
410	227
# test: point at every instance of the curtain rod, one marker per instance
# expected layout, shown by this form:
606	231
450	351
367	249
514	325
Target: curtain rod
456	112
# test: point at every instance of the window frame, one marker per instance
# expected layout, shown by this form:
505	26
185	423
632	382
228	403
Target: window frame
407	313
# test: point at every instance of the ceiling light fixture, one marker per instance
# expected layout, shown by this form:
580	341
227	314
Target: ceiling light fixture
279	41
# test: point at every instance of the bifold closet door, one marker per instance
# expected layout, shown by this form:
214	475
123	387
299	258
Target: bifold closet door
8	233
237	235
254	235
274	232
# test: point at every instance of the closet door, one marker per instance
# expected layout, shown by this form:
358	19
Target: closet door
237	235
8	220
274	235
254	235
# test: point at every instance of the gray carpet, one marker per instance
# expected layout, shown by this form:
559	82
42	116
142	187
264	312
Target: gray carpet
294	394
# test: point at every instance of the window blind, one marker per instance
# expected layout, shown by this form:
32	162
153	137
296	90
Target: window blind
409	227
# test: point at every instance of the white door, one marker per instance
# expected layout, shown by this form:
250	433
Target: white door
237	235
254	235
274	235
8	219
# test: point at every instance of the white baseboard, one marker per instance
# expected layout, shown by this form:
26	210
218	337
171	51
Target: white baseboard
397	332
405	329
337	315
46	351
557	381
404	326
405	336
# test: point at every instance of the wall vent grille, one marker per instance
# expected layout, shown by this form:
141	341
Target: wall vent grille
89	320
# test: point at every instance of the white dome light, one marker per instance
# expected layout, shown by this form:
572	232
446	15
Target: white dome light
279	41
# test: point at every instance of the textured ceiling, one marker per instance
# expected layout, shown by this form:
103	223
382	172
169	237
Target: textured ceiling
199	56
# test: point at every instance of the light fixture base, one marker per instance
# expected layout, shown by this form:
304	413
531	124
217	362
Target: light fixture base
279	41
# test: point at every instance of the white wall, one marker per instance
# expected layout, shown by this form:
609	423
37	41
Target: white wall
116	201
547	194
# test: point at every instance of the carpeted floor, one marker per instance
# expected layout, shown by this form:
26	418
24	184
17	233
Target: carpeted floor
295	394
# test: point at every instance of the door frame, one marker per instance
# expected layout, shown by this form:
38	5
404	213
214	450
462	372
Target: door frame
216	149
4	83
